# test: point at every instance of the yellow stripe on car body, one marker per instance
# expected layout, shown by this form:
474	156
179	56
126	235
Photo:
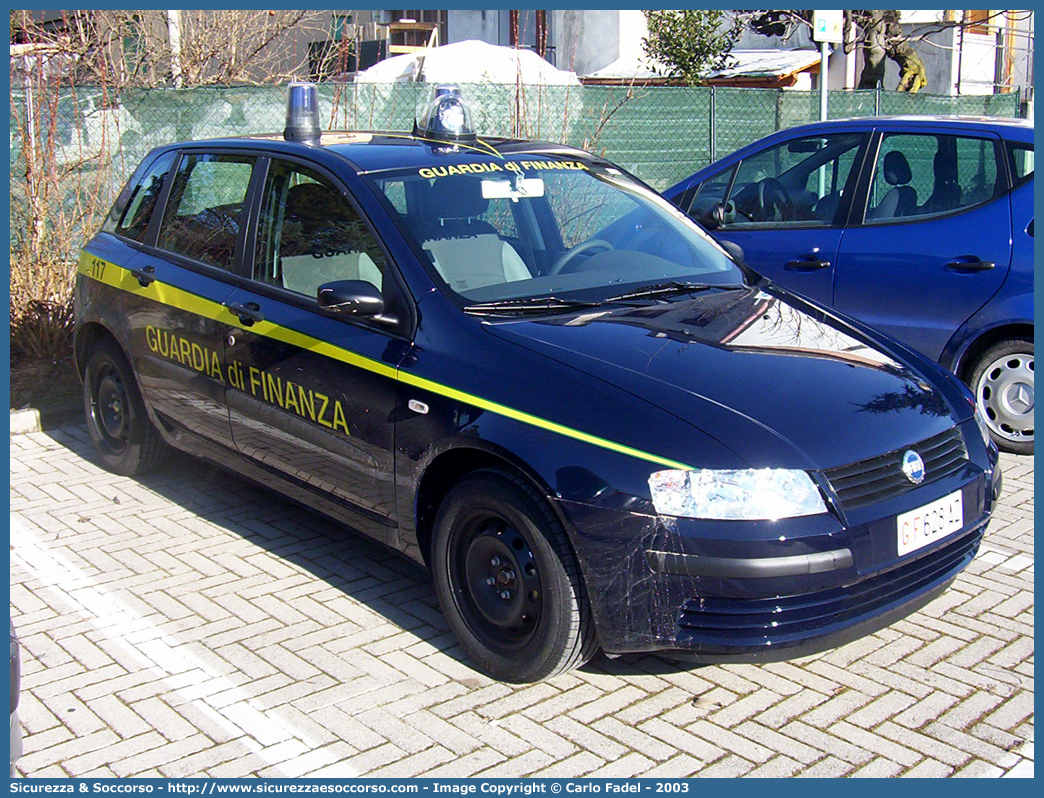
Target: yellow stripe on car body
118	277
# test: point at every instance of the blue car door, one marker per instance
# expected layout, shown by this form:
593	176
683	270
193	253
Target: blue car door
785	206
182	276
311	394
932	243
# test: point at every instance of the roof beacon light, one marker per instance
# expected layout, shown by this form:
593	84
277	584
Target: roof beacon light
302	114
447	118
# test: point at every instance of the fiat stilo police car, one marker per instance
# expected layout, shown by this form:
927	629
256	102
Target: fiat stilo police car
518	365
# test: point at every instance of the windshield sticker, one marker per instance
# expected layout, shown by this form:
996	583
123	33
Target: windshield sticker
486	168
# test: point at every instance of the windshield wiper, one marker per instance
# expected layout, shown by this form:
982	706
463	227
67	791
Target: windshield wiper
547	304
661	289
533	304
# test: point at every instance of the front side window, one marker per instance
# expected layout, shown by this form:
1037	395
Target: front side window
531	228
710	194
310	234
799	182
204	211
920	175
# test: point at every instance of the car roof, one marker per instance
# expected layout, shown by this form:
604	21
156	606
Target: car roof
1006	127
380	150
1009	128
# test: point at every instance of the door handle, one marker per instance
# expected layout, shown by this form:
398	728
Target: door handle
807	264
145	275
975	265
248	313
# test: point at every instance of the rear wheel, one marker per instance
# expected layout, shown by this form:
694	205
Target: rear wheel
508	581
1002	380
123	436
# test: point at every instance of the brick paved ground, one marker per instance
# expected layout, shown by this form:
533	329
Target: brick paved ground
188	624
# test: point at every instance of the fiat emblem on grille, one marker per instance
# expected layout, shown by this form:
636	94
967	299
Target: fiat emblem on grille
913	466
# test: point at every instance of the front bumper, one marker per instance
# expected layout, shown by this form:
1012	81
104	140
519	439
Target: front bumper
765	591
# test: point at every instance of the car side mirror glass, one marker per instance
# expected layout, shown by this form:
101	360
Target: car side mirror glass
351	298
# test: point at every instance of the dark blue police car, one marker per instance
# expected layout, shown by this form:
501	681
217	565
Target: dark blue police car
520	366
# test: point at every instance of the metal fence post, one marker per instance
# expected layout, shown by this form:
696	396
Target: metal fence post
1018	101
713	126
877	99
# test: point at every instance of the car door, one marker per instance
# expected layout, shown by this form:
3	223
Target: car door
785	206
185	273
312	394
932	242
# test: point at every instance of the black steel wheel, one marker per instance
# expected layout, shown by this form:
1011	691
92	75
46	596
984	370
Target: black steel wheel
508	581
124	438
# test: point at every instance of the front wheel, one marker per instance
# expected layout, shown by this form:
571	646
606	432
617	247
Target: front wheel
508	581
123	436
1002	380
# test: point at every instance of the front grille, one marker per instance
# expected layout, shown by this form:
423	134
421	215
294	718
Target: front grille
879	478
764	621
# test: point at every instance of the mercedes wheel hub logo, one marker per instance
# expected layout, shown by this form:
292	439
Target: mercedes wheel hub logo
913	466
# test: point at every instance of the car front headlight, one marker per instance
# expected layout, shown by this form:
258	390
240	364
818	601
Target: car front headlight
746	494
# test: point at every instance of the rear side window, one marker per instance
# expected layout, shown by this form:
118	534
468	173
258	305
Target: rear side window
930	175
131	220
204	211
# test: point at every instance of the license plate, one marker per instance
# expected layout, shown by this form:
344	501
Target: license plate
918	528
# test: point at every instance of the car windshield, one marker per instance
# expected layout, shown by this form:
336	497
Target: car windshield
508	231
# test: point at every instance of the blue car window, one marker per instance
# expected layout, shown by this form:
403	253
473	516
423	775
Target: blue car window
134	220
799	182
1021	158
920	175
309	234
709	193
202	217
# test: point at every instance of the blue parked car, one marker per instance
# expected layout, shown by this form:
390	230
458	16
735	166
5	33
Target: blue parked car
516	364
922	227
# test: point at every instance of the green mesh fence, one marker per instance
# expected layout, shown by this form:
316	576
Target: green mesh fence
660	134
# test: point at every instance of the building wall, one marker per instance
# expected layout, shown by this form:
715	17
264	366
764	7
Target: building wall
485	26
588	40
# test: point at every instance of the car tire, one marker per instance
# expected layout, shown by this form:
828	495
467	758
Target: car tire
126	441
508	580
1002	381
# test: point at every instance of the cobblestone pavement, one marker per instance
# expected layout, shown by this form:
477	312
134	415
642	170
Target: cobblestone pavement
189	624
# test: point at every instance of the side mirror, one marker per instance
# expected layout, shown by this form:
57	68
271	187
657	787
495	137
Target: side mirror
736	253
734	250
353	298
713	217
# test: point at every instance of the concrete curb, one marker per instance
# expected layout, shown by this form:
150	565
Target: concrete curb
31	419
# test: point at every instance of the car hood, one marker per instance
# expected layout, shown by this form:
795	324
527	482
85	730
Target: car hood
780	382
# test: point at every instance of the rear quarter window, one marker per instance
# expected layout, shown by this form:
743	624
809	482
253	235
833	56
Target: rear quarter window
1020	157
130	218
